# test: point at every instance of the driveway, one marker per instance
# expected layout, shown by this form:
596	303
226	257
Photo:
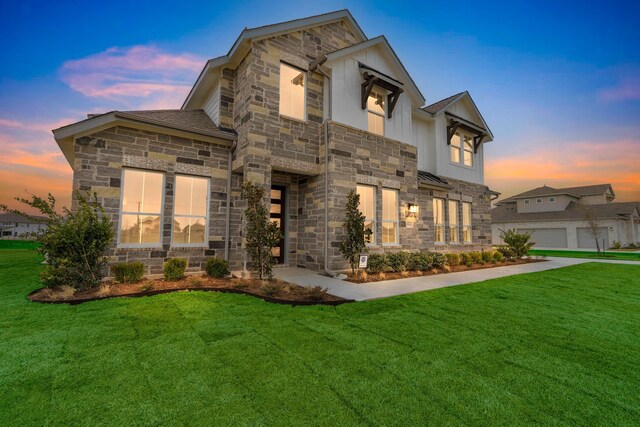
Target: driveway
387	288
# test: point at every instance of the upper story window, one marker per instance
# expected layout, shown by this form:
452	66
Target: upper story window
141	208
552	199
390	214
292	92
375	113
438	220
190	211
461	149
368	209
538	201
526	201
453	221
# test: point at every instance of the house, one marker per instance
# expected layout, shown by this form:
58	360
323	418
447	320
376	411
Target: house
14	226
310	109
556	217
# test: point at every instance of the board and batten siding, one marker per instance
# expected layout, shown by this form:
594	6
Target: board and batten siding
211	105
423	138
346	91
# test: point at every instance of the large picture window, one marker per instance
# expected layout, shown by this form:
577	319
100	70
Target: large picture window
438	220
292	92
191	198
466	222
453	221
368	209
375	113
390	213
141	208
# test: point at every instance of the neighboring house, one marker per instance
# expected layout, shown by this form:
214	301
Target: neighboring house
14	226
311	109
556	216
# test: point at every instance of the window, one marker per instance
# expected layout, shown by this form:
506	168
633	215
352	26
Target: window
466	222
468	151
453	221
190	211
538	201
461	149
390	212
368	209
526	201
375	113
438	220
292	92
552	199
141	209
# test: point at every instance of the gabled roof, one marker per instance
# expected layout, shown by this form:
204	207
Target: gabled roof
195	123
383	43
574	211
444	104
242	43
577	192
626	208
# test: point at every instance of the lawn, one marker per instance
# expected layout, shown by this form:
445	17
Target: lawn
625	256
560	346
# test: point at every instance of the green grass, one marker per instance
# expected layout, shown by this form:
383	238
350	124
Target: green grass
558	347
625	256
17	244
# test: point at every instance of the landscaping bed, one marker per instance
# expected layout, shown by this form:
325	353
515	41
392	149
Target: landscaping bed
364	277
275	291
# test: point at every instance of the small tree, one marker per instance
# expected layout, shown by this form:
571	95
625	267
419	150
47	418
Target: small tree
593	225
518	244
74	243
261	235
354	240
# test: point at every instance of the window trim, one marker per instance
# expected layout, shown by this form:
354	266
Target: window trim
373	220
204	244
436	225
304	85
470	226
449	201
119	244
460	163
375	113
397	221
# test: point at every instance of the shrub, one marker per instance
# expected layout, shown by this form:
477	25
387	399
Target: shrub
377	263
355	234
438	259
465	259
487	256
419	261
195	282
504	251
271	289
452	259
498	257
616	245
146	286
74	243
216	267
519	243
398	261
316	293
174	269
128	272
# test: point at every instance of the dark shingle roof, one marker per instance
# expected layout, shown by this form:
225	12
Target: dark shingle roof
577	192
574	211
14	217
438	106
196	120
428	178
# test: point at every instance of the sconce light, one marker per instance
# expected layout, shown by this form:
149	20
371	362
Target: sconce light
413	208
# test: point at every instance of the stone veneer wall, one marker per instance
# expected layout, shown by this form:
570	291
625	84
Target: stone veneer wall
98	168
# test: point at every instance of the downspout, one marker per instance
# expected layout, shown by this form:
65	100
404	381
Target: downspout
228	219
328	271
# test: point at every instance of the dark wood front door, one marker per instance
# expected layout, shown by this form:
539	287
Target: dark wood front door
277	215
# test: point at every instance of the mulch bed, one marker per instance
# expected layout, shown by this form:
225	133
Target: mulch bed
370	278
275	291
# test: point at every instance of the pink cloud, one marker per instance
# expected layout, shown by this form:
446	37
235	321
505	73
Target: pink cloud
133	76
627	89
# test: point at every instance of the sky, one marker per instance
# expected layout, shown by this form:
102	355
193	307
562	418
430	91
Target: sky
557	82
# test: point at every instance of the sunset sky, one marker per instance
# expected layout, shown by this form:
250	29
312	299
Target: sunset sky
559	84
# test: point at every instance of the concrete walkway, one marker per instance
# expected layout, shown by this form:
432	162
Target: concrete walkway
387	288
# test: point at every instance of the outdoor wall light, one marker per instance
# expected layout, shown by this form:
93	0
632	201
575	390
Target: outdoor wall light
413	208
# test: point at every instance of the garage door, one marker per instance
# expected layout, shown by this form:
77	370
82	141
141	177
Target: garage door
548	237
586	240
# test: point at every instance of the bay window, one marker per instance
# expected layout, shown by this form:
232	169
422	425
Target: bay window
466	222
292	92
141	208
368	209
375	113
191	199
390	213
438	220
453	221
